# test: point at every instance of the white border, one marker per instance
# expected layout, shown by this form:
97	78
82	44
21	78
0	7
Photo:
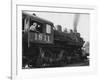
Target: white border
18	73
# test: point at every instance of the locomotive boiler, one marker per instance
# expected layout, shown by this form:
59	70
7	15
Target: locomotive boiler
45	46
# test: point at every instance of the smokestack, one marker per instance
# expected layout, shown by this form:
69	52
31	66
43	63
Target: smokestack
76	20
59	28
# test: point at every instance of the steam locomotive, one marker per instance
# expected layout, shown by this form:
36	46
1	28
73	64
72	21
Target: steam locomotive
45	46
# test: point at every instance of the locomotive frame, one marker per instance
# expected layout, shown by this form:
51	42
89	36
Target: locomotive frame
17	56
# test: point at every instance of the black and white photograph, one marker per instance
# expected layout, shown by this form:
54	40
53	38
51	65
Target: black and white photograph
55	39
50	40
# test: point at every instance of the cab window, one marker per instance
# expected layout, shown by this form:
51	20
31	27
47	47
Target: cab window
25	24
48	28
36	26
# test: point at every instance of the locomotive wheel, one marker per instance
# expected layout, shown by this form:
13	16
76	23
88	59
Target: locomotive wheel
48	57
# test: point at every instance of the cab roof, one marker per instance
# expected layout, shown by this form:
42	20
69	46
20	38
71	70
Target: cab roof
36	18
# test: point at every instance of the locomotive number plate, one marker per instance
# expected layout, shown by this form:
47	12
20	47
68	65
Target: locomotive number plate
39	37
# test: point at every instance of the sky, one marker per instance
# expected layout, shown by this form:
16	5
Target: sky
66	20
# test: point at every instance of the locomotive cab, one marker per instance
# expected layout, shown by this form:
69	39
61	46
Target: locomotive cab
39	30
